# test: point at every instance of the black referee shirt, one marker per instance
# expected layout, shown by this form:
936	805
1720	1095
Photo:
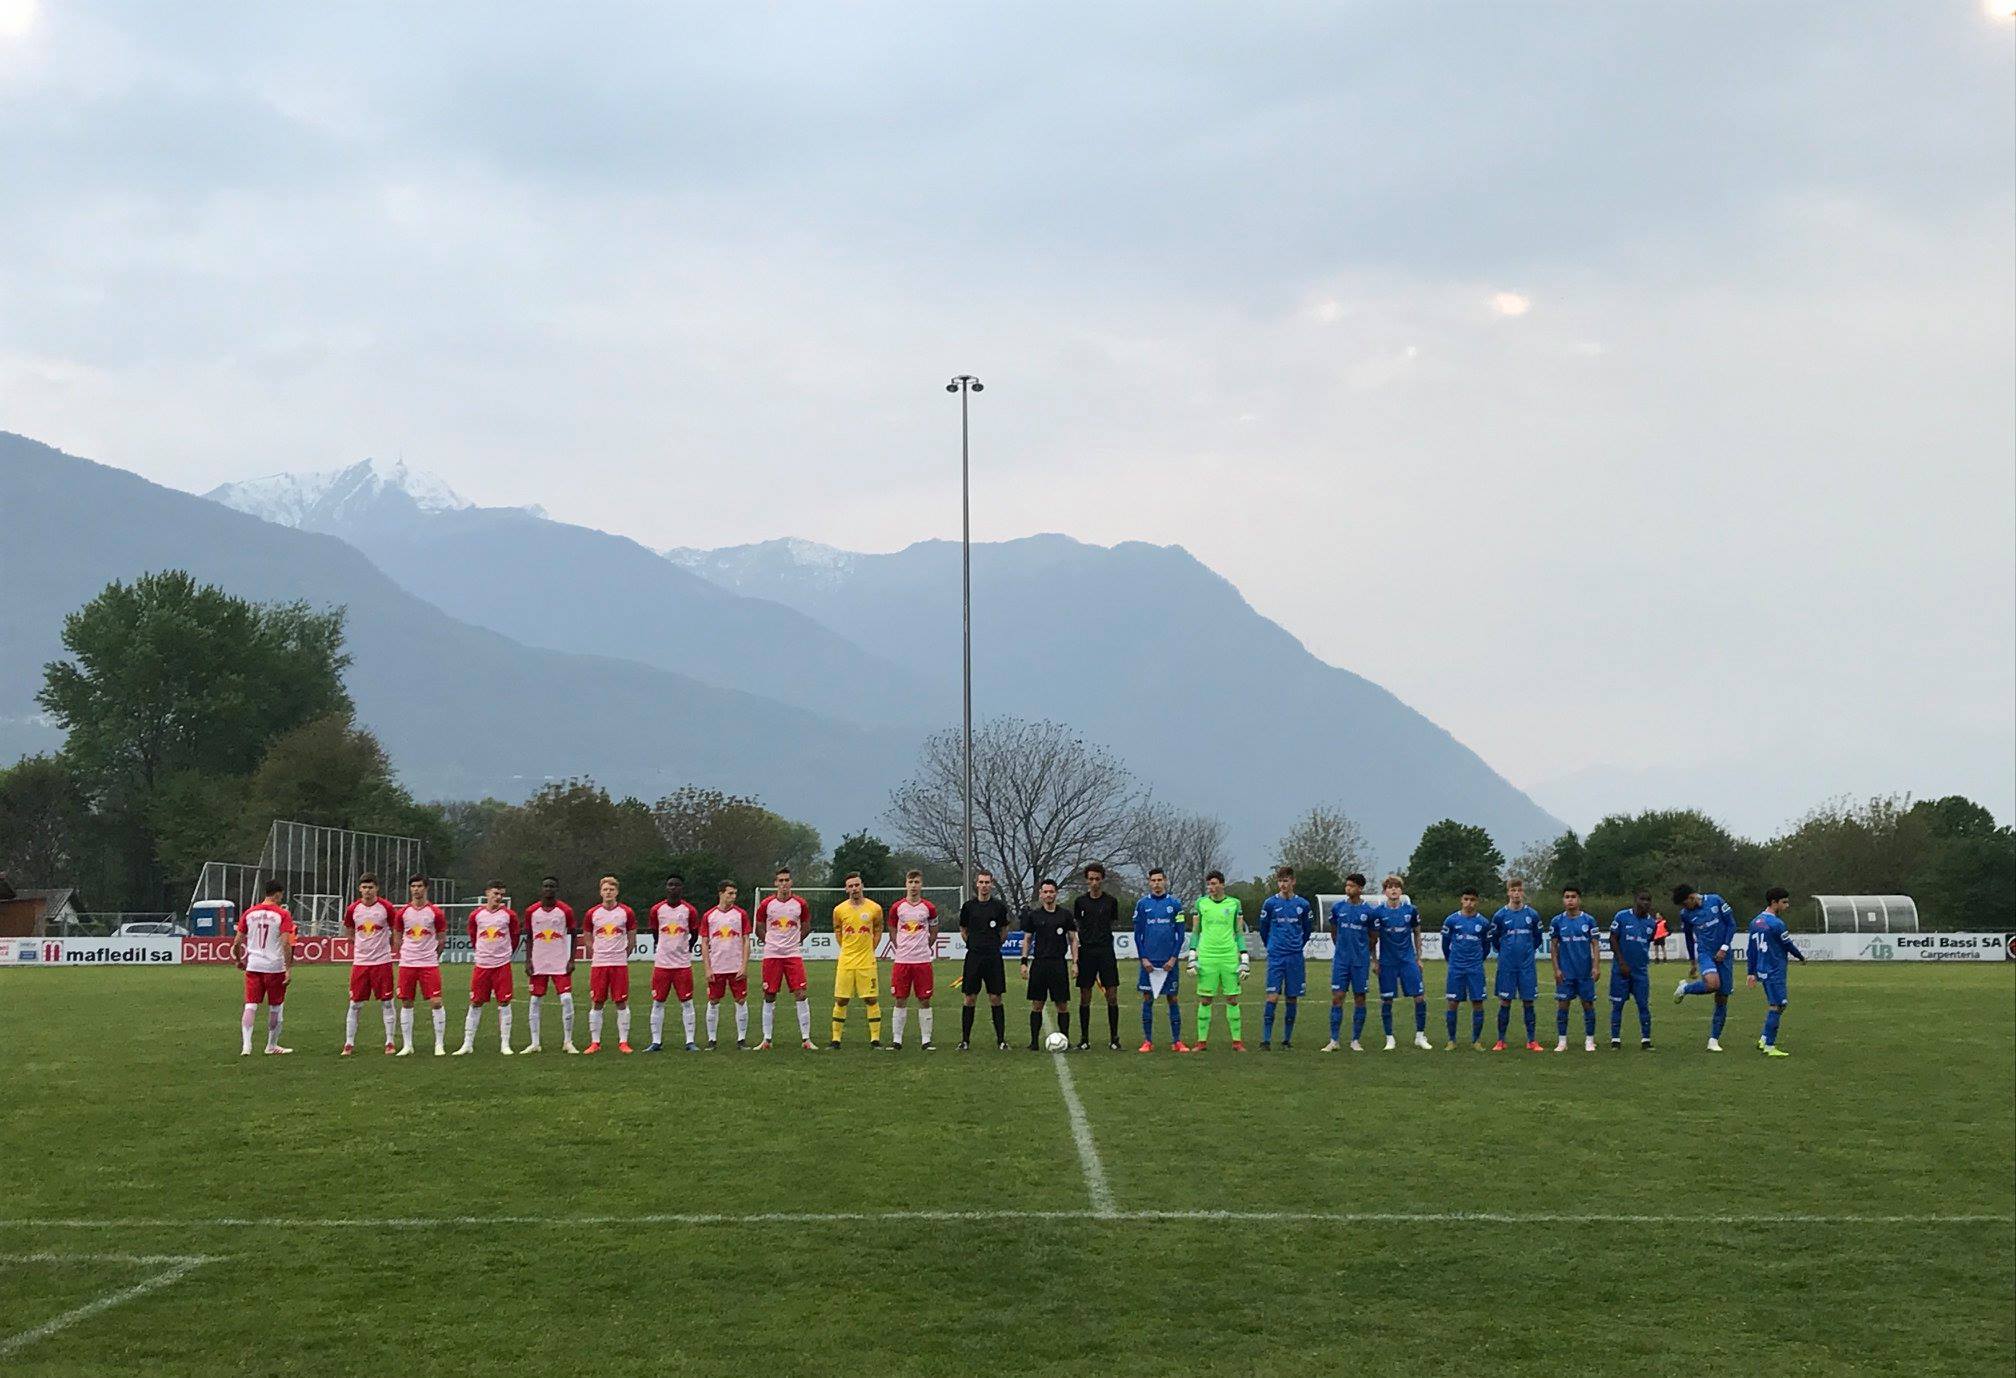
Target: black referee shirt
984	921
1049	930
1096	918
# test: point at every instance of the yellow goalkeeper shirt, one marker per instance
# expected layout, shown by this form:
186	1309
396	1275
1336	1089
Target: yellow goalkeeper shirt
858	926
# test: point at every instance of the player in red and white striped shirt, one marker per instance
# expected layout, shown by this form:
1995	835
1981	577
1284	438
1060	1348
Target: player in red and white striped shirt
784	919
264	949
913	920
370	922
611	927
493	936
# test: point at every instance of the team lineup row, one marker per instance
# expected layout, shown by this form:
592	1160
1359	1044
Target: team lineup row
1374	944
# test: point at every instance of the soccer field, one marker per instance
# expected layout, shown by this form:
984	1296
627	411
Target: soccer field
176	1209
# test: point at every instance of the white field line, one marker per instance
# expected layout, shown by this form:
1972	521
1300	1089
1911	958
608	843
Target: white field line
1088	1153
1110	1215
178	1266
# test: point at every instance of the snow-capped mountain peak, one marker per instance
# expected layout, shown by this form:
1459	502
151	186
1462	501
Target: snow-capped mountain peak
748	568
325	499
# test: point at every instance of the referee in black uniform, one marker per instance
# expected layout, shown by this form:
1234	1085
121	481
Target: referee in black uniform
1096	913
1050	939
982	921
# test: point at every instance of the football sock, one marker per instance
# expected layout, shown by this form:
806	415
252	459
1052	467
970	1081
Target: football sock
1721	1018
1616	1019
1267	1023
1526	1007
686	1018
1504	1020
1386	1016
1203	1023
503	1026
1695	987
1561	1020
1085	1017
965	1023
622	1023
924	1022
1035	1026
713	1020
1644	1018
469	1022
1477	1023
742	1022
1000	1023
1452	1022
1588	1019
804	1019
1112	1021
769	1020
406	1026
387	1010
567	1015
1420	1016
1175	1022
1064	1021
350	1024
276	1015
657	1021
1357	1022
1771	1027
1288	1027
532	1004
839	1020
1232	1020
898	1017
440	1026
1336	1021
874	1020
594	1025
245	1026
1147	1019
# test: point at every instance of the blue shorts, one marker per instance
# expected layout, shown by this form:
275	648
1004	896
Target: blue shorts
1286	975
1350	975
1724	971
1581	987
1143	979
1638	986
1466	985
1774	988
1404	973
1515	979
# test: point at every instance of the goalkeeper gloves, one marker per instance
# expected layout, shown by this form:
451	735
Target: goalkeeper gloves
1192	955
1245	965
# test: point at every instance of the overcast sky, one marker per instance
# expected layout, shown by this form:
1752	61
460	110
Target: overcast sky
1628	386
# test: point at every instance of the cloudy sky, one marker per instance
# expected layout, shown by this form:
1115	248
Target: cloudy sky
1626	385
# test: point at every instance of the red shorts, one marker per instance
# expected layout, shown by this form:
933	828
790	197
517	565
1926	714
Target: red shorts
562	982
677	980
270	986
738	983
428	979
780	971
485	982
608	983
368	982
905	977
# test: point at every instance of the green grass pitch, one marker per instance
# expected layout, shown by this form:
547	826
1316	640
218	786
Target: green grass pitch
174	1209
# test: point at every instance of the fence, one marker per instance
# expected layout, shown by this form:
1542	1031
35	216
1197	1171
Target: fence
320	866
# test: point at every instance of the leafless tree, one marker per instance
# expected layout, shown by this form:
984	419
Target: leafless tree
1044	802
1326	836
1184	845
1533	865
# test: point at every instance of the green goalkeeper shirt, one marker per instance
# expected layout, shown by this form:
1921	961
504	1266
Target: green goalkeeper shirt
1217	929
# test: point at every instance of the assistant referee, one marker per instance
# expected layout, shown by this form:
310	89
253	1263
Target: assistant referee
1049	951
1097	912
982	921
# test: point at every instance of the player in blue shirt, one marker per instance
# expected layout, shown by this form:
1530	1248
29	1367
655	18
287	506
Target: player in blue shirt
1764	956
1466	935
1515	937
1631	933
1711	929
1396	965
1158	942
1287	922
1350	960
1577	963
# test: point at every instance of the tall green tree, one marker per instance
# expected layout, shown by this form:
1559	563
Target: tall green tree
1661	847
1565	861
46	830
869	855
574	831
1451	855
751	839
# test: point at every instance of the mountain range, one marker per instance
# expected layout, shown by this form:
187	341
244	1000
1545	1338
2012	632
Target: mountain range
787	669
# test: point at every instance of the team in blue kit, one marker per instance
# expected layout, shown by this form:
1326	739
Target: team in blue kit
1350	961
1711	928
1768	957
1396	962
1287	922
1158	943
1631	933
1515	937
1466	937
1577	960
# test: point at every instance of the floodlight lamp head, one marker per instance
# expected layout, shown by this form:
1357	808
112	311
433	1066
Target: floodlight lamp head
976	386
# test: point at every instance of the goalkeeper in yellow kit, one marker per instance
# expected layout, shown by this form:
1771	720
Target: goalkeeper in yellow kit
857	922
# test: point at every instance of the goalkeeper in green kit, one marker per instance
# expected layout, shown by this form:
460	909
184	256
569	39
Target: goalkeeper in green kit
1218	962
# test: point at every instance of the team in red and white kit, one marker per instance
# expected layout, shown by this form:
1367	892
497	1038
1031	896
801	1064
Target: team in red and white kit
423	927
551	929
784	918
369	920
725	938
676	922
493	941
913	925
612	926
264	948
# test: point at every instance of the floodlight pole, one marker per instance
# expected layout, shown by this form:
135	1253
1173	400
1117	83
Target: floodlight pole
965	385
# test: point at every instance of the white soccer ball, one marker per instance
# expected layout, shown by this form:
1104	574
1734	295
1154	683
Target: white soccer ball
1056	1042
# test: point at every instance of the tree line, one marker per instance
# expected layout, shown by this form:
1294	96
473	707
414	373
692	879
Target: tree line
193	719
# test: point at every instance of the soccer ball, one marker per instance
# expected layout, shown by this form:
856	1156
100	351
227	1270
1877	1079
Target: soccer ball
1056	1042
